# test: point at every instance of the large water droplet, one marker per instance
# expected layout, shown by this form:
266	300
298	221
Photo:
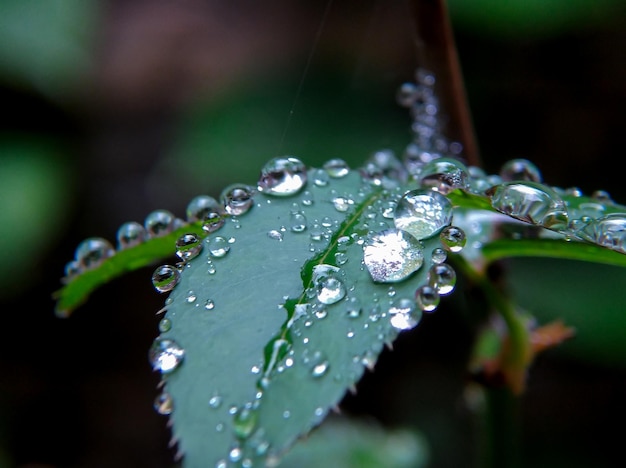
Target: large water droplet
442	277
337	168
165	278
237	199
159	223
164	404
520	170
392	255
199	207
218	246
165	325
609	232
444	175
165	355
529	202
423	213
404	315
130	234
188	246
453	239
212	221
439	255
91	252
282	177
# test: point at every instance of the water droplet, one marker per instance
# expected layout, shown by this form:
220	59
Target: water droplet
307	198
276	235
404	315
164	404
320	368
286	414
321	313
91	252
218	246
188	246
221	463
342	204
165	355
609	231
159	223
341	258
520	170
453	239
235	454
336	168
72	269
165	325
407	94
215	401
297	222
438	255
427	298
209	304
392	255
529	202
282	177
423	213
130	234
444	175
212	222
165	278
200	207
237	199
244	422
442	277
320	177
191	297
353	307
602	196
211	270
330	290
425	77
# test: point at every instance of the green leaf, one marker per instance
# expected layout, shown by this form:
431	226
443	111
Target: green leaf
344	444
273	355
78	289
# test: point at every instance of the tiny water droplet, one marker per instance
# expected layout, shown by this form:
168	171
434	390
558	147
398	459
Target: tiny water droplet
442	277
453	239
164	404
439	255
159	223
341	258
191	297
423	213
165	325
211	270
276	235
218	246
353	307
282	177
320	369
307	198
529	202
427	298
404	315
342	204
188	246
602	196
320	177
165	355
286	414
237	199
392	255
444	175
520	170
244	422
130	234
336	168
235	454
407	94
321	313
165	278
91	252
200	207
209	304
297	222
215	401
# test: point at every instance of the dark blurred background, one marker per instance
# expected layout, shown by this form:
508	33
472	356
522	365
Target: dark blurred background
114	108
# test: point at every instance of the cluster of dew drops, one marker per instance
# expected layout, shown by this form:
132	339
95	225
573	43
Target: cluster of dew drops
430	162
